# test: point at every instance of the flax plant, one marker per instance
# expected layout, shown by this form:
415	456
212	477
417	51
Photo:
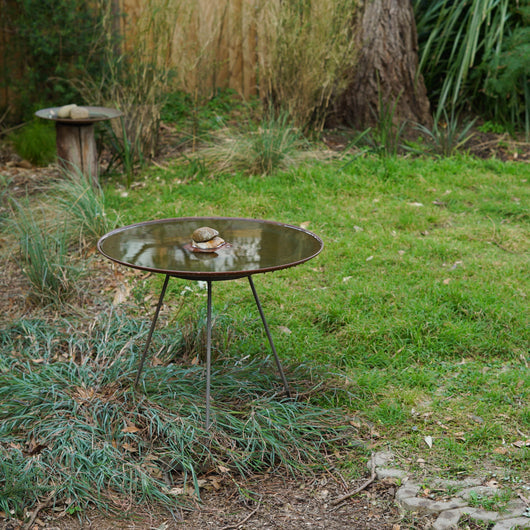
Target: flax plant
461	55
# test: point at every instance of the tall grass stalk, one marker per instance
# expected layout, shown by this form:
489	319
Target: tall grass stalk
304	53
307	50
5	183
125	154
44	256
386	136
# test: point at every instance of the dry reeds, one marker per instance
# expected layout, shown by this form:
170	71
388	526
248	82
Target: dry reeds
308	48
135	73
296	56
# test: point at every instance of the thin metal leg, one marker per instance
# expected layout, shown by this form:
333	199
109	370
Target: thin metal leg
278	364
208	353
153	324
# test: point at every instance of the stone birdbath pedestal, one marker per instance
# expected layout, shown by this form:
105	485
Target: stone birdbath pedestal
76	144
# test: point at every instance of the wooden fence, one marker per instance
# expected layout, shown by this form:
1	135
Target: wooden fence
213	43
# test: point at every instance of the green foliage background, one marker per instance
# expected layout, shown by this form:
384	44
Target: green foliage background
473	54
51	41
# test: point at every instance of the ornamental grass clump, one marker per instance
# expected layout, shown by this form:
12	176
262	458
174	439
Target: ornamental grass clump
448	134
44	257
85	206
273	145
74	427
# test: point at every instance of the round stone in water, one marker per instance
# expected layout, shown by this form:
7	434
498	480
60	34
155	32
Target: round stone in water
212	244
204	233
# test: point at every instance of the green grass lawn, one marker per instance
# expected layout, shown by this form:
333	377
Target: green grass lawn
420	296
416	311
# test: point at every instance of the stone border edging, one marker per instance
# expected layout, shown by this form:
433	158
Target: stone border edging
517	514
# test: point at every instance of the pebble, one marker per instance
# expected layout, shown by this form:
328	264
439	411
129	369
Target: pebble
64	111
73	112
79	113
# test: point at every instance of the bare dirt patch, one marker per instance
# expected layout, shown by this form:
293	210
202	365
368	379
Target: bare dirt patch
270	502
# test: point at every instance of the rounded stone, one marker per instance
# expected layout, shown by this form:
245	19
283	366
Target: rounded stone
212	244
79	113
204	233
65	110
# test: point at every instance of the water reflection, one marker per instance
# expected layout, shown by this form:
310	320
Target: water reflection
253	245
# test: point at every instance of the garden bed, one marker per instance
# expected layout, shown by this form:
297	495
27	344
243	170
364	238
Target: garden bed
268	500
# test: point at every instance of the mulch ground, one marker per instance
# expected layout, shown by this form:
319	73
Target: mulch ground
270	502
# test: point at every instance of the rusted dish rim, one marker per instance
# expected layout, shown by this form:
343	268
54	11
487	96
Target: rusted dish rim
211	275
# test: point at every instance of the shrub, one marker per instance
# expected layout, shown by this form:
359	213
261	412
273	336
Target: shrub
36	143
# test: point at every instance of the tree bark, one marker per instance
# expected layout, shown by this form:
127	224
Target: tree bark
386	77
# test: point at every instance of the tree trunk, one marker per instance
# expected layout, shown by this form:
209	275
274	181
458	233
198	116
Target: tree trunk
386	77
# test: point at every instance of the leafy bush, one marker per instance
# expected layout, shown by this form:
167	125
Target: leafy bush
50	43
36	143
